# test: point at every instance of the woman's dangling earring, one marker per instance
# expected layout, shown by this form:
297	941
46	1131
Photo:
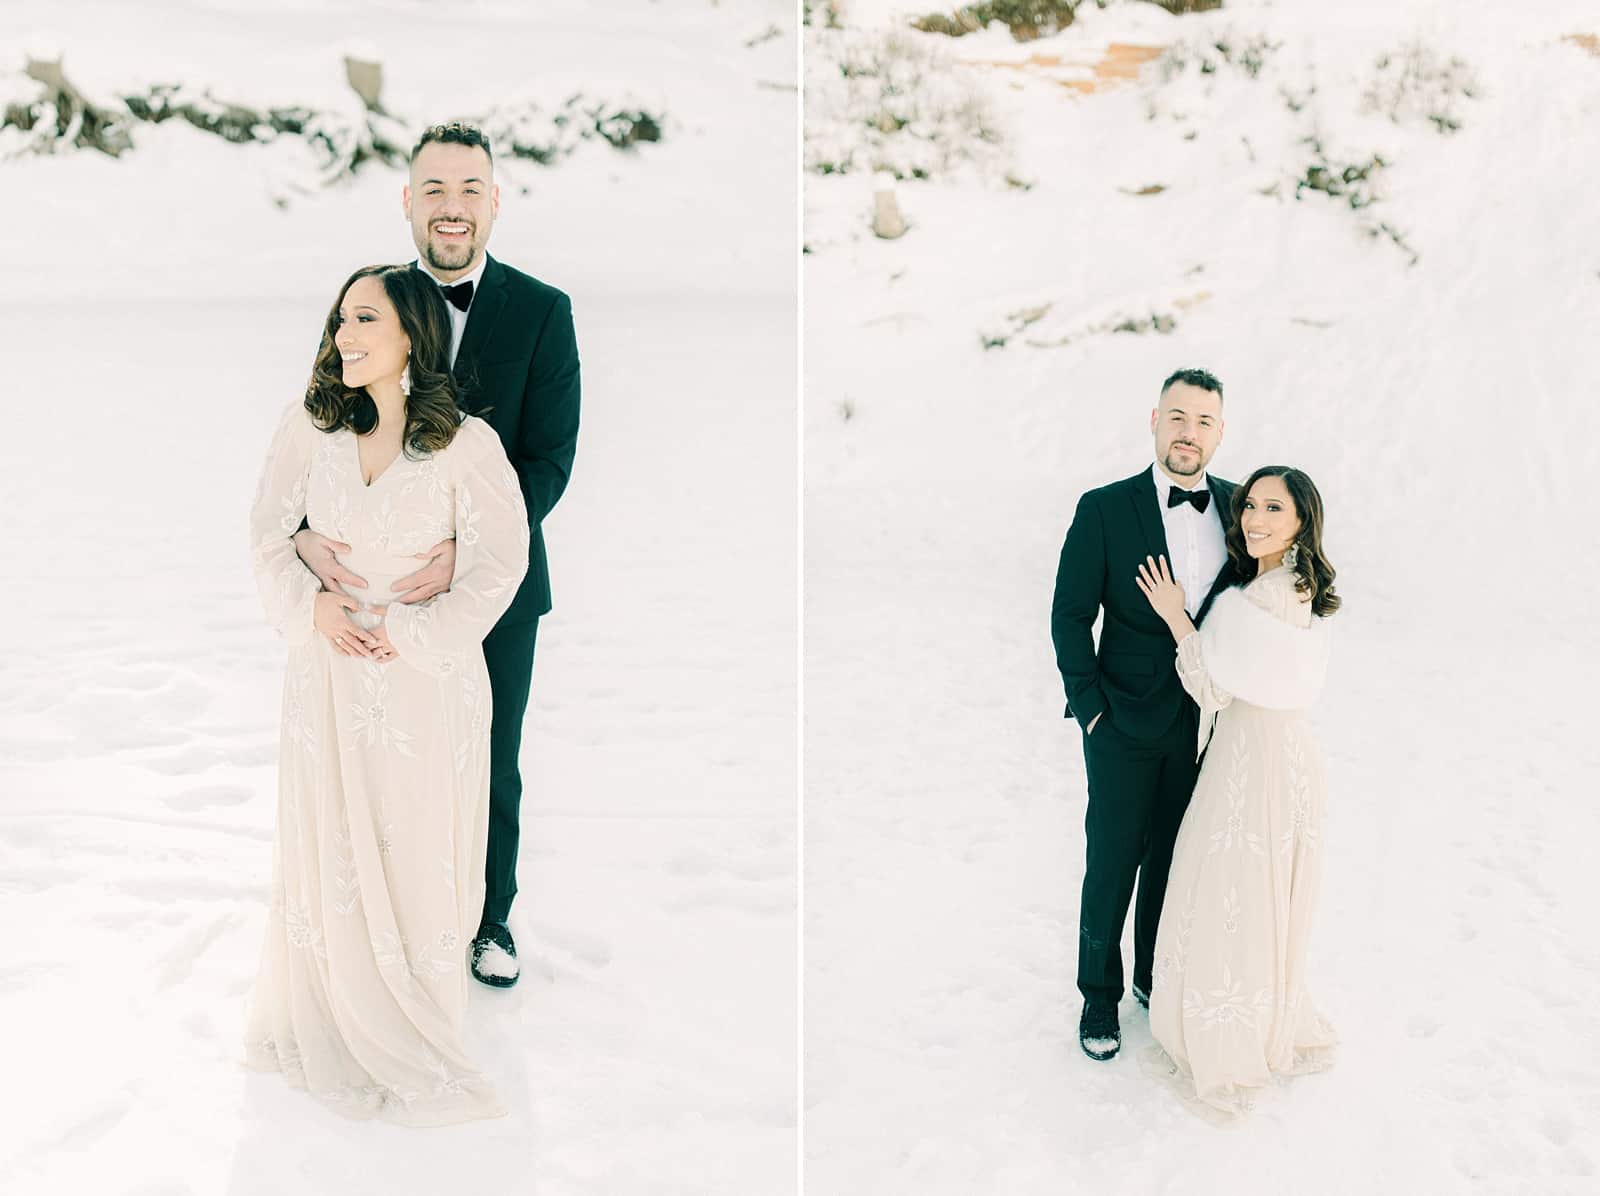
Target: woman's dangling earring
405	379
1291	556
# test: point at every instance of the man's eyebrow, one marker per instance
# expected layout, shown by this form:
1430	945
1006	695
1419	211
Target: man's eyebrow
440	182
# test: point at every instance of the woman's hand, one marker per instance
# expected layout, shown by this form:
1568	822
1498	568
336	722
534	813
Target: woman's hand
330	619
1166	596
385	650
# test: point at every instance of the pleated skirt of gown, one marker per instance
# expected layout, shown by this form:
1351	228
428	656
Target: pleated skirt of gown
377	886
1229	1010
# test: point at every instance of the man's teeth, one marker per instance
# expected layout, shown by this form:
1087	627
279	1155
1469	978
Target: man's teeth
450	229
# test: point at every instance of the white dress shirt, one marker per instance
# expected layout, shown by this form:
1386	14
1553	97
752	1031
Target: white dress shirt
1195	547
458	318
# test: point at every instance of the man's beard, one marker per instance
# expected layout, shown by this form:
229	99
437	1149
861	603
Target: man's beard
1174	464
449	257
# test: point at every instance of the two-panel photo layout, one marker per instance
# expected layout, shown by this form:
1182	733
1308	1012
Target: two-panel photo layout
840	598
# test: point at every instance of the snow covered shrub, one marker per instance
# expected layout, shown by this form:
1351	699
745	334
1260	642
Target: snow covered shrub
890	102
955	24
1354	182
1053	324
1414	82
1027	19
232	122
56	118
1179	7
338	141
528	129
1383	230
825	13
342	141
1246	54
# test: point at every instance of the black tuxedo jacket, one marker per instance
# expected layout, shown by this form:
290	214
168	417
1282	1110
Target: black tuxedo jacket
517	368
1131	678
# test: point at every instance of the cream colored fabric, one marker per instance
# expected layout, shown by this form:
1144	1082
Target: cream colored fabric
383	775
1260	644
1229	1010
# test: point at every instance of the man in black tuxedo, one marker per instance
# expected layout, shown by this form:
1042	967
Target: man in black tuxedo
514	355
1139	724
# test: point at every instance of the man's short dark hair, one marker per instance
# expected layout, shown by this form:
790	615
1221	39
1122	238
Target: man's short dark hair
455	133
1204	379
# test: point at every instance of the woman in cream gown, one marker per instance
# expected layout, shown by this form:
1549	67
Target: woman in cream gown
1229	1009
383	777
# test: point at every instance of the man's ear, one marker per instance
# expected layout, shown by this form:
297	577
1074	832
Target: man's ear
405	200
1154	412
494	199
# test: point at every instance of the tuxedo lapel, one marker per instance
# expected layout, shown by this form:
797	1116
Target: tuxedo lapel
1222	500
484	314
1142	493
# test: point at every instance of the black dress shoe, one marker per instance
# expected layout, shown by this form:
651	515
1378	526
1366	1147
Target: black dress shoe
1141	995
494	956
1099	1033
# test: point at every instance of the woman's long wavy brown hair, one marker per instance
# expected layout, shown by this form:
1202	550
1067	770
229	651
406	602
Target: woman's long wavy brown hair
432	412
1314	573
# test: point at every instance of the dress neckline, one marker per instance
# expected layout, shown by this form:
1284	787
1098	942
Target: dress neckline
355	446
1267	574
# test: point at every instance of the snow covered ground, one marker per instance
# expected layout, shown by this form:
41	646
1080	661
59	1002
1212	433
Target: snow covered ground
1445	410
158	313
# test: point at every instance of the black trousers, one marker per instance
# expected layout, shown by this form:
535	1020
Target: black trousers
508	651
1138	791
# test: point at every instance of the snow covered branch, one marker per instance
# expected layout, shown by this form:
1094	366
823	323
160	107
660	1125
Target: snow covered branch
891	103
57	115
545	134
50	116
1414	81
1026	19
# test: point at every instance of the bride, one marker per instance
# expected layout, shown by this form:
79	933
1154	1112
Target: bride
1229	1010
383	769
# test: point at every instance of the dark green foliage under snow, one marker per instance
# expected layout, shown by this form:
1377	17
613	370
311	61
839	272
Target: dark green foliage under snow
1027	19
342	141
1179	7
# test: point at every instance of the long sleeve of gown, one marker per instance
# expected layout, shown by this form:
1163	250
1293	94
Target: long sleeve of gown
1202	687
1197	679
288	589
491	557
1260	646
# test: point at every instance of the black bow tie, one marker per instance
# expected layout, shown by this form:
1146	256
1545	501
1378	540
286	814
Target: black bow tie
460	295
1200	497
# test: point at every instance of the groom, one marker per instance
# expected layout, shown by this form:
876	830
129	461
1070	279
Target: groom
514	355
1138	723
